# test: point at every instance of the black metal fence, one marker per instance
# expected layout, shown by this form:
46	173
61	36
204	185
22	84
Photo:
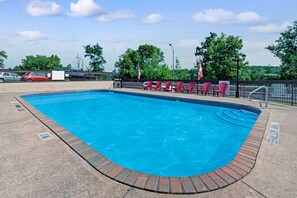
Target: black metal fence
282	91
69	75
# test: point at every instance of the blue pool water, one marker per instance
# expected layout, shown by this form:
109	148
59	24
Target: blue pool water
150	135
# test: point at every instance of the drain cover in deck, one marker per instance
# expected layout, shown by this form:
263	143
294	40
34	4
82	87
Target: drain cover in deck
19	107
45	136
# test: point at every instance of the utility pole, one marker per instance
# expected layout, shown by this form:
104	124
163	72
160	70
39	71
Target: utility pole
172	59
78	62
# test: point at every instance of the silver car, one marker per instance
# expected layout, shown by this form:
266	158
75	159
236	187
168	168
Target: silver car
7	76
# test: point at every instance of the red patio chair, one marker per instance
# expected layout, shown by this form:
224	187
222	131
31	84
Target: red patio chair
157	86
205	89
148	85
167	86
222	89
190	88
178	87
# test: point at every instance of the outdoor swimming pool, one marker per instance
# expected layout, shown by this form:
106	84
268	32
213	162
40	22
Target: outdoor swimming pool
151	135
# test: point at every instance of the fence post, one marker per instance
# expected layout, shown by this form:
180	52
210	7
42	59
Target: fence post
197	86
244	90
264	93
292	94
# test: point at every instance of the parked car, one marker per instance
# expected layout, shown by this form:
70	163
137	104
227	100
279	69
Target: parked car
7	76
34	76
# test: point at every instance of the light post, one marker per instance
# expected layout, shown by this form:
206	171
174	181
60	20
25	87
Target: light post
237	59
172	59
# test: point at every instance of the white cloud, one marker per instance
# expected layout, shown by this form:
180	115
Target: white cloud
31	36
85	8
269	28
221	16
116	16
153	18
250	17
214	16
43	8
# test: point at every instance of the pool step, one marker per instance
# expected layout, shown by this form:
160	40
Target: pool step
245	113
237	117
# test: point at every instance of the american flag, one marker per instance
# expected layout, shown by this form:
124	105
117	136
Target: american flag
138	71
200	73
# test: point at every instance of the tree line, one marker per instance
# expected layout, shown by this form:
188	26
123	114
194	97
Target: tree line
217	53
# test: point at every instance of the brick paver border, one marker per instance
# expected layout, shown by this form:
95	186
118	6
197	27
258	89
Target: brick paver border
241	165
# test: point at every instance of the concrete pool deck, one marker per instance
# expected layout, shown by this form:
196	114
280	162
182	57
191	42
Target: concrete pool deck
31	167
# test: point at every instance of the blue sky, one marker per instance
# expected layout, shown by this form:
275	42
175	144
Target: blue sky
64	27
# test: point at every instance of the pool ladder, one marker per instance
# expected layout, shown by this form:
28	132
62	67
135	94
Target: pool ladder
115	84
260	101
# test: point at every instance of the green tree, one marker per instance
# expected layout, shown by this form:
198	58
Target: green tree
261	74
286	50
150	59
268	73
40	62
254	74
3	56
126	66
95	53
217	52
177	64
179	72
151	53
160	71
69	66
152	62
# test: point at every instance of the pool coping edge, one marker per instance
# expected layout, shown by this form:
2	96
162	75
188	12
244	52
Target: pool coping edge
239	167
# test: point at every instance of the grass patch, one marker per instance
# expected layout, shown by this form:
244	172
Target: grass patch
282	103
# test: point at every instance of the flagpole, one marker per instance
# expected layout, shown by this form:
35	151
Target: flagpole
138	73
200	72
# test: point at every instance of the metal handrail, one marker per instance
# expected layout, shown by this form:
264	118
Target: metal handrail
114	85
260	102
